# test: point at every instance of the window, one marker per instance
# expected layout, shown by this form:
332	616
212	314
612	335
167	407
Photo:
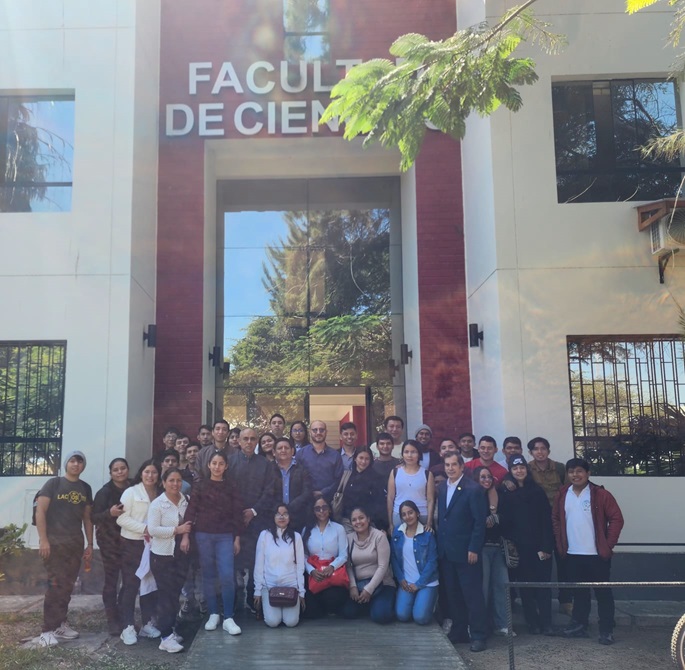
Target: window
31	407
36	153
305	23
599	128
628	403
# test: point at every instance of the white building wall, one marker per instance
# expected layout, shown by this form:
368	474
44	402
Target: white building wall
538	271
88	276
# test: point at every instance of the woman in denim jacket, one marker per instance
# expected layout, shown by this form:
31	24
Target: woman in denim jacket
415	566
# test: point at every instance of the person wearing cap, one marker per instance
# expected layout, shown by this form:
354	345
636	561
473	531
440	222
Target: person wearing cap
424	435
526	518
63	508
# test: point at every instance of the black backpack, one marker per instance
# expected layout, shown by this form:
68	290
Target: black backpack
35	498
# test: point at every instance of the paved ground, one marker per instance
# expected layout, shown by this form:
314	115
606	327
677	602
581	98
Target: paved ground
642	642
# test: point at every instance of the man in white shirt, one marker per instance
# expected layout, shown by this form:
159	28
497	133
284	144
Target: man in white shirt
587	523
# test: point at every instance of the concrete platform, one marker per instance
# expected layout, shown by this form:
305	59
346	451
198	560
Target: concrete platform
333	644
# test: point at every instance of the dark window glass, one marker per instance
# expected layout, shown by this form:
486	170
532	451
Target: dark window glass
305	24
627	402
599	128
36	153
31	407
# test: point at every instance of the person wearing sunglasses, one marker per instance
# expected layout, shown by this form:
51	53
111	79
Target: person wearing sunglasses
324	543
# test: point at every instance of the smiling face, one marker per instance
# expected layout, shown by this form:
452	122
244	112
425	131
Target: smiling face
466	445
322	510
172	485
282	517
486	451
204	437
217	467
74	467
266	444
519	473
318	433
540	452
149	476
424	437
348	438
169	462
385	447
409	516
448	447
485	479
119	472
359	521
284	452
453	469
191	454
362	460
395	428
169	439
578	477
220	432
511	449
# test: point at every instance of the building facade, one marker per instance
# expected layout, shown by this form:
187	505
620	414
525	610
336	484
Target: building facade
180	179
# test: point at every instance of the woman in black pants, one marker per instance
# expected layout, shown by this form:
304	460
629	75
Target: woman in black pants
107	508
526	518
133	522
168	558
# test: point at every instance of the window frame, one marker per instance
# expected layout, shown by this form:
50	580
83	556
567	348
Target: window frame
18	447
607	170
5	99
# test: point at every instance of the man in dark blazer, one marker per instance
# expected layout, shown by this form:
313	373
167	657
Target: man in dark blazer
462	511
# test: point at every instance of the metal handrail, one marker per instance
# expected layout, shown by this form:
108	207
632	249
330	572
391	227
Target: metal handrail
566	585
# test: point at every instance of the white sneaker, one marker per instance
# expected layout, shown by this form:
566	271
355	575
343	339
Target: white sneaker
212	622
504	632
177	637
66	632
129	635
170	644
231	627
148	630
47	639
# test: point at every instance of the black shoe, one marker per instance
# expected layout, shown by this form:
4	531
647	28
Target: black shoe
548	631
477	645
575	629
606	638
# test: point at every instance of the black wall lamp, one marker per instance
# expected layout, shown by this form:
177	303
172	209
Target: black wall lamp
217	359
475	335
405	354
150	336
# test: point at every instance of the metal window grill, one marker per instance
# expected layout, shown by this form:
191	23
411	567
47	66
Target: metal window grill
627	403
32	378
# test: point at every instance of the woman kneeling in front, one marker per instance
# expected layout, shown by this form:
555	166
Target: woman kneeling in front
279	572
372	588
415	566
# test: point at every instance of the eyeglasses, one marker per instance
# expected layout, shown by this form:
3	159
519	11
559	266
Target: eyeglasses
284	515
317	430
321	508
297	430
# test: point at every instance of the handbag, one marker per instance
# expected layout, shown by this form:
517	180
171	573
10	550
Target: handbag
283	596
337	505
511	553
338	578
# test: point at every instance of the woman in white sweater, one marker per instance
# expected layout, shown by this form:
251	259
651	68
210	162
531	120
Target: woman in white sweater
279	561
168	559
135	502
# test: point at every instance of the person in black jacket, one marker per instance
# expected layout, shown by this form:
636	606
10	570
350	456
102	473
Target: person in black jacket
293	483
255	480
364	489
106	508
526	518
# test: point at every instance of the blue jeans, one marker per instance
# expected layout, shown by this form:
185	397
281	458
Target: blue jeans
216	558
495	574
380	609
418	606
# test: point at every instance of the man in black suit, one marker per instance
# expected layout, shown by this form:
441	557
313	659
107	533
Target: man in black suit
462	510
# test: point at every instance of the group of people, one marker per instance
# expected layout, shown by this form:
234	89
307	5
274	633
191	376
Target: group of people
286	526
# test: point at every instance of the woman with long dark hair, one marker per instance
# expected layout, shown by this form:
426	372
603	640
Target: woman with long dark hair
299	435
324	543
107	508
134	531
526	513
366	489
279	561
216	512
168	559
415	567
267	442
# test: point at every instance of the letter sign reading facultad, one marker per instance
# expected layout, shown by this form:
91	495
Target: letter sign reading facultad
221	85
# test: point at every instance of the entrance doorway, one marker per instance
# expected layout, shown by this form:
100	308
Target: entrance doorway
310	300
